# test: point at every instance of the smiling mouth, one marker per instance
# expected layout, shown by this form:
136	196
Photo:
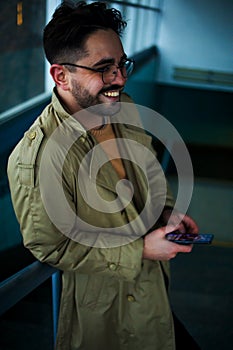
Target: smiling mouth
111	93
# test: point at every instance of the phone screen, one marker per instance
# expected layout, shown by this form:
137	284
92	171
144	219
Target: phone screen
190	238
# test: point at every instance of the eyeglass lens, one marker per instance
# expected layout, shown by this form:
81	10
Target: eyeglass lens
126	69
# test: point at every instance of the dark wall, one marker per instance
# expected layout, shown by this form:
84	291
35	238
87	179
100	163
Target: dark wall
203	116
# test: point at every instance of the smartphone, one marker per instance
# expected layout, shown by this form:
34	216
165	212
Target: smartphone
190	238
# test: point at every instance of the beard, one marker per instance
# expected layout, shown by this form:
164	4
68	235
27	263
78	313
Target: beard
94	103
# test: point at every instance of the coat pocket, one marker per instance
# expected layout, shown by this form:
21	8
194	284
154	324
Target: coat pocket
95	291
28	152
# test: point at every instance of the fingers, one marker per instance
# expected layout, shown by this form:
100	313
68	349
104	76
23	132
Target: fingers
183	223
189	224
169	228
158	247
179	247
187	248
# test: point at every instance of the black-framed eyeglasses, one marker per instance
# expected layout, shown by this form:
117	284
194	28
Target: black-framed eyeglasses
109	72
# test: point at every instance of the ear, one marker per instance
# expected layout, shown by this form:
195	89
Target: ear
60	76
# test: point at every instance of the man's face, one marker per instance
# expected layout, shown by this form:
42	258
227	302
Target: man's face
87	87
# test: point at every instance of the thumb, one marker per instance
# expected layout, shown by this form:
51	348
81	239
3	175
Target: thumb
169	228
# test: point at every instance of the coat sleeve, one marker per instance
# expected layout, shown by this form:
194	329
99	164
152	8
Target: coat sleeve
44	239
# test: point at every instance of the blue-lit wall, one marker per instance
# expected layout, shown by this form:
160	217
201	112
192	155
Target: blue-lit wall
195	34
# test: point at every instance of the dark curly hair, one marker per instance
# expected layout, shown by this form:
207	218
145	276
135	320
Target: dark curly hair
72	23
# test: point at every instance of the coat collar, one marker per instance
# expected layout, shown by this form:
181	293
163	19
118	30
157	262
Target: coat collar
127	126
107	176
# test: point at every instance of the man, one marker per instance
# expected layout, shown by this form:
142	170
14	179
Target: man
114	263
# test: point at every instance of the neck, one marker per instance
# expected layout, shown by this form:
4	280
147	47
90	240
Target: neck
105	121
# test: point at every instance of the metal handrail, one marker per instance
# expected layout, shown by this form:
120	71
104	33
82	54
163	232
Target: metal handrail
17	286
10	293
143	57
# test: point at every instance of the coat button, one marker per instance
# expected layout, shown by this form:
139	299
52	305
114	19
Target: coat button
82	139
31	135
130	298
112	267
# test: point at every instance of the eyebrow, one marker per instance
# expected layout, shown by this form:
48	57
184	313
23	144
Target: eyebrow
108	60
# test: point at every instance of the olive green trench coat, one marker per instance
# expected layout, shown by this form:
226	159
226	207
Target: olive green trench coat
111	298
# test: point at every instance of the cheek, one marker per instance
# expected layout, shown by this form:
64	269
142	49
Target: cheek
93	84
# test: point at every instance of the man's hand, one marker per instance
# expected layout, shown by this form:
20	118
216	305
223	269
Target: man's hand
157	247
184	223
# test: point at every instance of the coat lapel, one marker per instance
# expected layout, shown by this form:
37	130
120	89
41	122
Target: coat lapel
101	170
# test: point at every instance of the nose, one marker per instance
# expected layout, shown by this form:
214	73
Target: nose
119	77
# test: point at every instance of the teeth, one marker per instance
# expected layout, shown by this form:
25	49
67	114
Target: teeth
112	93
